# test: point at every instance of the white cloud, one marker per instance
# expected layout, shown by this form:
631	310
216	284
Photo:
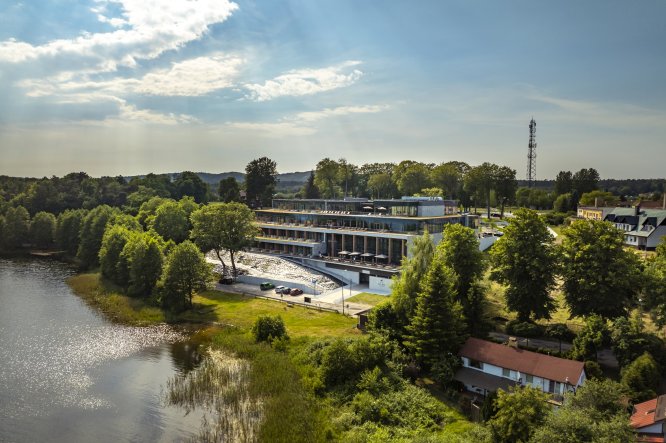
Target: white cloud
194	77
306	81
303	123
150	27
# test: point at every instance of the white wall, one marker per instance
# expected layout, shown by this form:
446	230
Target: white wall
380	284
486	242
654	239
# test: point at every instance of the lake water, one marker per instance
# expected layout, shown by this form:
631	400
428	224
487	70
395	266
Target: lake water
69	375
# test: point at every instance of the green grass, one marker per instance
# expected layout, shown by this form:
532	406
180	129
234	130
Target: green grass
367	298
240	310
113	304
209	307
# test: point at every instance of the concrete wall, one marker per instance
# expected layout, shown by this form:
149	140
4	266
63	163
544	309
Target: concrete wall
486	242
258	280
380	284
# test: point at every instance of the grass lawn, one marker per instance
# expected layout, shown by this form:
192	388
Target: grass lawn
240	310
367	298
209	307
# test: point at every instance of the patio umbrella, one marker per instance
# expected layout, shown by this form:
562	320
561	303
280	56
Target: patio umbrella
367	207
382	256
367	254
343	253
354	254
381	208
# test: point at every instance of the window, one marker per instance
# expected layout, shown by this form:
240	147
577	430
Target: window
475	364
529	379
506	372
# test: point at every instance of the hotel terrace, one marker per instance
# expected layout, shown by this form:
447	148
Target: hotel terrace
356	239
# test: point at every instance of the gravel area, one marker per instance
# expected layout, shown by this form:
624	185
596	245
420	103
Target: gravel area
270	267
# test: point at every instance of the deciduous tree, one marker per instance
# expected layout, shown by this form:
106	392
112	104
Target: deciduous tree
520	411
170	221
185	272
526	260
92	231
260	181
229	190
68	230
414	269
42	229
600	276
16	230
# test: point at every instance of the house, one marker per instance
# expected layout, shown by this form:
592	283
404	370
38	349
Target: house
488	366
648	418
593	212
355	239
643	228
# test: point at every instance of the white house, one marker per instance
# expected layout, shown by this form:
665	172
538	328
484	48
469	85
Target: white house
643	228
488	366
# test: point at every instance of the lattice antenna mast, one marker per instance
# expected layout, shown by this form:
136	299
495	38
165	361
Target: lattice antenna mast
531	155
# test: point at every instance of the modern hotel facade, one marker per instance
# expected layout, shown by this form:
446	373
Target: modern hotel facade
356	239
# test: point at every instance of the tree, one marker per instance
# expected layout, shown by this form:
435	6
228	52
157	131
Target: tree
600	276
563	182
641	377
260	181
326	177
526	260
505	186
459	249
594	414
147	210
408	284
446	177
599	198
143	253
16	228
585	180
170	221
437	327
563	203
189	183
346	174
114	241
68	230
587	343
42	229
92	231
224	226
310	189
185	272
520	411
654	288
413	178
229	190
380	185
480	181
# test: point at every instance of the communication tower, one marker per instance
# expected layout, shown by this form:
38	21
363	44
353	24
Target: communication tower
531	155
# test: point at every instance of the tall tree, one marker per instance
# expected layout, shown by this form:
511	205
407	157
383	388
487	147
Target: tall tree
505	186
171	222
42	229
446	177
68	230
326	177
520	412
601	198
92	231
641	377
260	181
189	183
525	259
600	276
16	230
437	328
143	252
480	181
310	189
459	250
412	178
585	180
380	185
654	288
414	268
114	241
346	175
229	190
563	182
587	343
185	272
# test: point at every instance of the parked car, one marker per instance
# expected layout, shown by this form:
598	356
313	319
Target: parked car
279	289
226	280
296	291
265	286
286	291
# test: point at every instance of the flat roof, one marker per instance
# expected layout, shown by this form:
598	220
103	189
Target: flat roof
489	382
377	216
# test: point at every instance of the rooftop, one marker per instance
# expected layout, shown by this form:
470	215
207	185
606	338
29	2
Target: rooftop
526	362
649	412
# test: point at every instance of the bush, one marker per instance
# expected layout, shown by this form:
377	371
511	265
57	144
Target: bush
524	329
560	331
593	370
268	328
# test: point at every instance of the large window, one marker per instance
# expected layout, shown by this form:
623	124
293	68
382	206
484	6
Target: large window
475	364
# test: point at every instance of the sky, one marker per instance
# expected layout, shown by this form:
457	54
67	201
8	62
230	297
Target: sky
129	87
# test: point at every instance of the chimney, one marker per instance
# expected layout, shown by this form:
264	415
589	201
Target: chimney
637	209
512	343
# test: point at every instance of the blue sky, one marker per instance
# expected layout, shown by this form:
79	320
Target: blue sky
133	86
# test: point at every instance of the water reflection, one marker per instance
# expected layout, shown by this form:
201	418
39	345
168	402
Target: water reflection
66	374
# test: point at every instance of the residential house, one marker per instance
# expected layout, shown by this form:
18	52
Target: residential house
648	419
488	366
643	228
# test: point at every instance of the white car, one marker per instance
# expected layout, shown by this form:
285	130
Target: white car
279	289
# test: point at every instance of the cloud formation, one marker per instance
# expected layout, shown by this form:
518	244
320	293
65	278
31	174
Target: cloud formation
306	81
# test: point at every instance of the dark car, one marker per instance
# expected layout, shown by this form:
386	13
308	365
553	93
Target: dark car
265	286
296	291
226	280
286	291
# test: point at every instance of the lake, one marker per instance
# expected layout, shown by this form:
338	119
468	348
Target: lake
69	375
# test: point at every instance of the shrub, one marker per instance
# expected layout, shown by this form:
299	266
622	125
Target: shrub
524	329
593	370
560	331
268	328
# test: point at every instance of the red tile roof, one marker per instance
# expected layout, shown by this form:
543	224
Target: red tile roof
648	412
540	365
